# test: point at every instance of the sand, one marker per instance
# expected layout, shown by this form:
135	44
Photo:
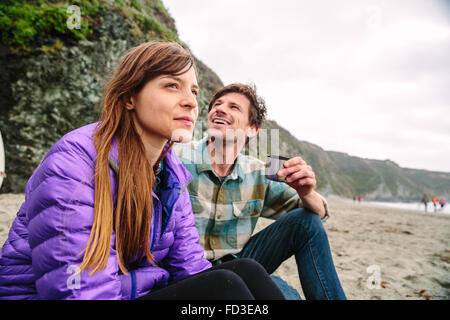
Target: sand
379	252
9	205
406	253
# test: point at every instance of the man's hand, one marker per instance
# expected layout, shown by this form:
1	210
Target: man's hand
299	176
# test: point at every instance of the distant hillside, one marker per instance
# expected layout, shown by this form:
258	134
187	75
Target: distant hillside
341	174
53	78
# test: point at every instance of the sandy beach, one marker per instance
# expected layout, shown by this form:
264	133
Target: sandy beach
379	252
406	253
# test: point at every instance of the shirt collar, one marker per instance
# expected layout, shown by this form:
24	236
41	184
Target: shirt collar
236	172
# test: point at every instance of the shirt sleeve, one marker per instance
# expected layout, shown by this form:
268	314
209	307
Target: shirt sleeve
281	198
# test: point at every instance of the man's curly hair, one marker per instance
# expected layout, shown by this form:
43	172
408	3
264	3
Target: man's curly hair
258	110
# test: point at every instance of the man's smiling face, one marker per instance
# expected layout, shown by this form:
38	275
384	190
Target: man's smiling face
229	116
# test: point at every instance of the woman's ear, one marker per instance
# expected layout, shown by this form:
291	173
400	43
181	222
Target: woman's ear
130	104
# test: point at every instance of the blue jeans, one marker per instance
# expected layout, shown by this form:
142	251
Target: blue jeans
300	233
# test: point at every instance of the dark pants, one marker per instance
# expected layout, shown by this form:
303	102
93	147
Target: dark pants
240	279
300	233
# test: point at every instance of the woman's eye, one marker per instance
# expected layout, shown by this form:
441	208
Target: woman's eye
172	85
195	92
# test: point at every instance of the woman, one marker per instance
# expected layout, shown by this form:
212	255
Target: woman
91	229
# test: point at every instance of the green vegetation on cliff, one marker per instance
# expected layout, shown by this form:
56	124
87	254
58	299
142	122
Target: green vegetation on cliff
27	23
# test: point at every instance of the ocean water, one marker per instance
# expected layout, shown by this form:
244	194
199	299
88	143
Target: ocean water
416	206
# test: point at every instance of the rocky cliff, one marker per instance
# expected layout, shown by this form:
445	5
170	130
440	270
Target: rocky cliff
53	77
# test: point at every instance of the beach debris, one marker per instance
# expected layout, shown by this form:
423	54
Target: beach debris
410	277
443	256
337	230
424	295
383	284
390	229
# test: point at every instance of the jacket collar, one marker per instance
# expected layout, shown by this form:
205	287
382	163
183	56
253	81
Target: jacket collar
171	161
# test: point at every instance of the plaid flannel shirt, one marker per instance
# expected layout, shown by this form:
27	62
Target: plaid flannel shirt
226	212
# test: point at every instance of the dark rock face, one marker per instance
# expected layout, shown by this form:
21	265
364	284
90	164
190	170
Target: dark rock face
50	94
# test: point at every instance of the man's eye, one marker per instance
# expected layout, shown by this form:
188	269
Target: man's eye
235	107
195	92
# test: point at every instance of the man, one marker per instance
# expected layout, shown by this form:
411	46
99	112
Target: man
425	200
229	192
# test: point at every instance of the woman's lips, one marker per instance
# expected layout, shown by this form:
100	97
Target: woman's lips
186	120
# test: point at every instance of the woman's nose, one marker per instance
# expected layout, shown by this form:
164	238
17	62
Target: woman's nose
190	100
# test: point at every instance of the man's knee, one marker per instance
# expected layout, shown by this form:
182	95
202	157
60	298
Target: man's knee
306	219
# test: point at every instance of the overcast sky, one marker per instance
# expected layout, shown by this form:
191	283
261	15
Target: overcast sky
369	78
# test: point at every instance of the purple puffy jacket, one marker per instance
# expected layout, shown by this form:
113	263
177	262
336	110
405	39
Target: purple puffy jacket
40	258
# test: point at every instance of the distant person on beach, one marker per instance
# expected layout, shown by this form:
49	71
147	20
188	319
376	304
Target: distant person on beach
435	203
442	203
359	198
425	201
107	214
230	191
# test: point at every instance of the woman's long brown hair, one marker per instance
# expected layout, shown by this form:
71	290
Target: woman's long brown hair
131	220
